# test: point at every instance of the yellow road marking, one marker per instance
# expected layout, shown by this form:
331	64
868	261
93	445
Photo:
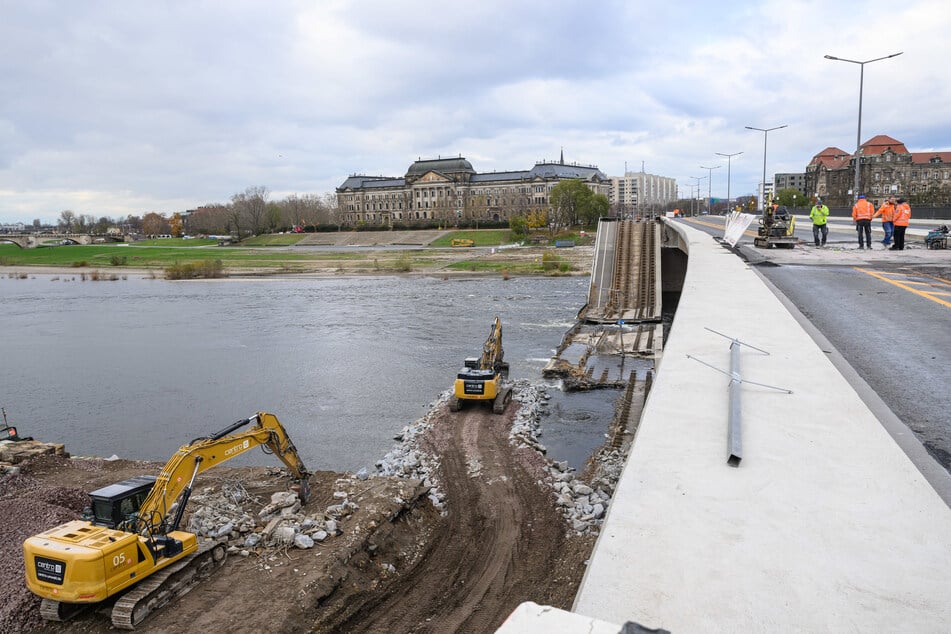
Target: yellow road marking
905	286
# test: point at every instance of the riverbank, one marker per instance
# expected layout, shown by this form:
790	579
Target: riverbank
508	261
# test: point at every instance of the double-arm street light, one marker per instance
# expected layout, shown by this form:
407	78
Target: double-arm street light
729	206
710	186
698	179
858	135
765	132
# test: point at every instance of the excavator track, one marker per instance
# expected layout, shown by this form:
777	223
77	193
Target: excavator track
164	586
51	610
502	400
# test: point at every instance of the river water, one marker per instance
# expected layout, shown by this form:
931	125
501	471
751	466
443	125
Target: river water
138	367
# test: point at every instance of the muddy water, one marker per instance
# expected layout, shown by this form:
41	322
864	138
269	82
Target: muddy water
138	367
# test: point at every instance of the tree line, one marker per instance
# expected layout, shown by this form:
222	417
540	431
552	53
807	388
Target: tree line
249	212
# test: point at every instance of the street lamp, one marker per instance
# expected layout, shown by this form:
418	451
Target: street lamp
858	134
765	132
697	195
728	157
710	186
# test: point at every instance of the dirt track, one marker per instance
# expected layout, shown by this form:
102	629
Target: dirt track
502	542
398	566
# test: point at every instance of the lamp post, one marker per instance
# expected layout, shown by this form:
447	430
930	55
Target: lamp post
729	205
765	132
697	195
858	134
710	186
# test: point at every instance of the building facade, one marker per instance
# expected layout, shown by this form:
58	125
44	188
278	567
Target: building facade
450	190
887	168
790	181
639	192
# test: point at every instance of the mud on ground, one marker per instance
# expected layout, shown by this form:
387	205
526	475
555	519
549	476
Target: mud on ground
398	565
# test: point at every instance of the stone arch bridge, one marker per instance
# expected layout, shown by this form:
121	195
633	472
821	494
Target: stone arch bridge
33	240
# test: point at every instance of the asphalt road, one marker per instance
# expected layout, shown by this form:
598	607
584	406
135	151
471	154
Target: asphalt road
889	320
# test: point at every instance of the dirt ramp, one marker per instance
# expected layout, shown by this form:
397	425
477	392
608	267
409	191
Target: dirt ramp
501	542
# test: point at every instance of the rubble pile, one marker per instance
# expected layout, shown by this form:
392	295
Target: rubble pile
13	452
583	504
407	460
222	513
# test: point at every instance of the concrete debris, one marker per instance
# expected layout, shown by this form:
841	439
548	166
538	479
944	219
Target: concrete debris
583	504
13	452
223	514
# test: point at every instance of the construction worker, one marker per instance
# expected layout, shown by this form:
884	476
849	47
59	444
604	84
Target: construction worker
862	213
887	212
820	218
902	218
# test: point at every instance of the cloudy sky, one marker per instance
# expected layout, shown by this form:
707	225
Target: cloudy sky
112	108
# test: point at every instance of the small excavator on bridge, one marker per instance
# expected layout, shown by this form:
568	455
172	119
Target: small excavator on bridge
129	543
484	378
776	227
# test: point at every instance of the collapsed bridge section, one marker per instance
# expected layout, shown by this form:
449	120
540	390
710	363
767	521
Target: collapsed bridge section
625	274
619	330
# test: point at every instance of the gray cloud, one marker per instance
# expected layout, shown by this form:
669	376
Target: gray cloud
114	108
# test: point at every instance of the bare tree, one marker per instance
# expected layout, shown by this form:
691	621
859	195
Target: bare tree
67	219
249	208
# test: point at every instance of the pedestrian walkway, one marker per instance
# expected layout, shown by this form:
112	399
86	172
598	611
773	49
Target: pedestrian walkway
825	524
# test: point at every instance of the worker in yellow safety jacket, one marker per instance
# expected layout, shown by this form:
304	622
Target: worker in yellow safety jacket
820	218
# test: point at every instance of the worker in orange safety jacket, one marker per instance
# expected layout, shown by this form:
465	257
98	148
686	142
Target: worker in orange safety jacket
887	212
902	218
862	213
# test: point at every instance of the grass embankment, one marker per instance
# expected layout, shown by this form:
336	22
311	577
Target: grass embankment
480	238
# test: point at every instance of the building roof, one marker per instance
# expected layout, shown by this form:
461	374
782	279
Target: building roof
441	165
931	157
562	170
831	158
880	143
358	181
489	177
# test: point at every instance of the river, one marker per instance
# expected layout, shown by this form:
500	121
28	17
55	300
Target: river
138	367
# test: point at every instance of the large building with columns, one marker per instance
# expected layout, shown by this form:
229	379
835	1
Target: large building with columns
449	190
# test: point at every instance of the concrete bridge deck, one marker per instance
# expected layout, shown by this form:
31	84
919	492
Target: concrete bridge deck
826	524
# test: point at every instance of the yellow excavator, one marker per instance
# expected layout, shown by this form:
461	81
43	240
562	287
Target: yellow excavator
483	378
129	543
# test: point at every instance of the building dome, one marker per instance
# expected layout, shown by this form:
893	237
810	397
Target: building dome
444	166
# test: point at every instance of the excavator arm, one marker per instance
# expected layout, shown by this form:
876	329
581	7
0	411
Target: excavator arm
492	352
162	510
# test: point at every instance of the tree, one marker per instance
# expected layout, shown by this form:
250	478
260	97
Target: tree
67	219
37	224
519	227
790	197
154	224
248	209
574	203
274	217
175	224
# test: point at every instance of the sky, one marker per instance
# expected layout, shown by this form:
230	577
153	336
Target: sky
117	108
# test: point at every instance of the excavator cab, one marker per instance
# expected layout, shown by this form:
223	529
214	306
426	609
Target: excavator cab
117	503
